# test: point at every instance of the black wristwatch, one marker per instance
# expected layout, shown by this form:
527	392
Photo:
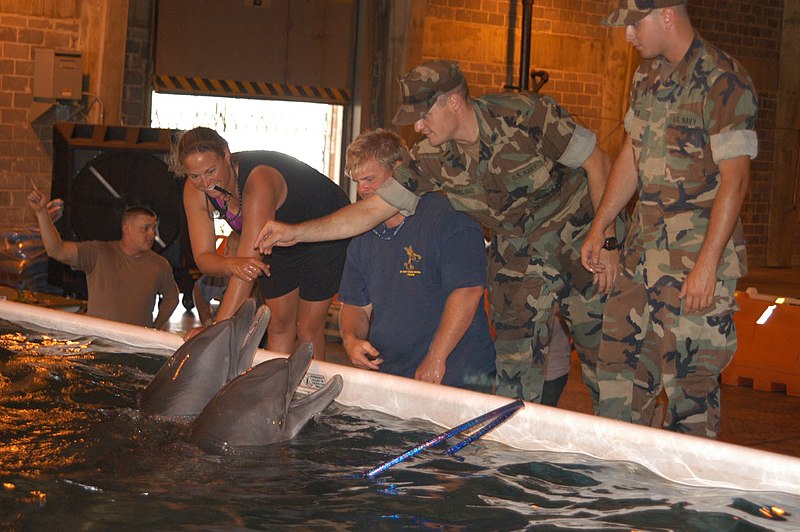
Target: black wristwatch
611	244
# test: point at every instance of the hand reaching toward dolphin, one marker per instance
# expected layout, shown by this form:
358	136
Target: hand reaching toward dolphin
277	234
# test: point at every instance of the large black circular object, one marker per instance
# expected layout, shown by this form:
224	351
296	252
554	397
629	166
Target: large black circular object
114	181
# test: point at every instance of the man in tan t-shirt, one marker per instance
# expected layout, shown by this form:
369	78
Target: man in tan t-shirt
124	276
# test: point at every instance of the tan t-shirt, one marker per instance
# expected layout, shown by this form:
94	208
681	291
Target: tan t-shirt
123	288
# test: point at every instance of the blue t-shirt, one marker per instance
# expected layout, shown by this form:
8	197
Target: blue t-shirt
407	275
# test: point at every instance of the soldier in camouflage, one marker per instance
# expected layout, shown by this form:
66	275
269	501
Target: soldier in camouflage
668	323
520	165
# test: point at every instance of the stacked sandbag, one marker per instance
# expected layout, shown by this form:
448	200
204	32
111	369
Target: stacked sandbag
23	260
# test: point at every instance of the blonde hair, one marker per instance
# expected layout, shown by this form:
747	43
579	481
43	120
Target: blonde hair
381	145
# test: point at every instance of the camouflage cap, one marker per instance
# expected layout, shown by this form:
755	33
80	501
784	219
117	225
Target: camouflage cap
632	11
422	85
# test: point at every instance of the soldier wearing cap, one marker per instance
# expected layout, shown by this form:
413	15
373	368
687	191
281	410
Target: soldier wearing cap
690	137
520	165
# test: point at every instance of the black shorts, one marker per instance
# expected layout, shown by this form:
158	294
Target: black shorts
315	268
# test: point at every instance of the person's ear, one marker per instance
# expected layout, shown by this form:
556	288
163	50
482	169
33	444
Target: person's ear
668	16
454	101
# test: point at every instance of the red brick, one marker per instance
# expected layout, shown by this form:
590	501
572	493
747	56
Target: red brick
59	40
14	20
33	37
23	68
40	23
22	100
13	116
16	51
14	83
8	33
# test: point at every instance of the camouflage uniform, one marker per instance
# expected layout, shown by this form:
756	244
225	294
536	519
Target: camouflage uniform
680	127
527	186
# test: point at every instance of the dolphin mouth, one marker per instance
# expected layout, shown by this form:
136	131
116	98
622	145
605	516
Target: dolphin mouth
259	407
210	379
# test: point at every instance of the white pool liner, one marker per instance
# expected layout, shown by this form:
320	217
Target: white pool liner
676	457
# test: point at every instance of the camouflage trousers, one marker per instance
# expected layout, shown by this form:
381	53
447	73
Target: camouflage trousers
650	345
521	306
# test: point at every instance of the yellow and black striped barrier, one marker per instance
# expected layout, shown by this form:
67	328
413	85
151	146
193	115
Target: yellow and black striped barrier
250	89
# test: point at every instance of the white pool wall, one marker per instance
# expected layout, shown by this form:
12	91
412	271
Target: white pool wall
676	457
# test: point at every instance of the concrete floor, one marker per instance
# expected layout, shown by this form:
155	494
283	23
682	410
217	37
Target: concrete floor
763	420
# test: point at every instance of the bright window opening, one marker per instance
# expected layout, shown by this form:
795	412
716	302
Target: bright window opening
310	132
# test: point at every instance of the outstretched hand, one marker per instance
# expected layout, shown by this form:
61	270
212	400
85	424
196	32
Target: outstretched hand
276	234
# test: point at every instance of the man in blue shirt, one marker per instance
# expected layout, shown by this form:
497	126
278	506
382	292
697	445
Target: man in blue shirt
413	288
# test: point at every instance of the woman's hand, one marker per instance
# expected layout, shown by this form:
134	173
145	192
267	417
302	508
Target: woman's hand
248	269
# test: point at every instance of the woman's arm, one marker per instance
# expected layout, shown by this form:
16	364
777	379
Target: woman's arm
201	233
265	191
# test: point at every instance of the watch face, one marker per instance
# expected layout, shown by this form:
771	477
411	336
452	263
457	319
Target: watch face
610	243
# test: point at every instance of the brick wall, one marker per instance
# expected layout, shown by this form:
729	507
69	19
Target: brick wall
136	88
25	147
571	46
567	42
751	32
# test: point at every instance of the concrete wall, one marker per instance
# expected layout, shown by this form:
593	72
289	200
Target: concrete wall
589	69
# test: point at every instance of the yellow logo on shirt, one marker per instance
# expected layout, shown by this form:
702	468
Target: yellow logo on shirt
409	264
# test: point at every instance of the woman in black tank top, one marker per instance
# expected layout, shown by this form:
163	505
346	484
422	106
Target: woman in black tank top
247	189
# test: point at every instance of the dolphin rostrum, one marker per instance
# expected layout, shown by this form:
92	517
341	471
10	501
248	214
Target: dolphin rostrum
205	363
259	407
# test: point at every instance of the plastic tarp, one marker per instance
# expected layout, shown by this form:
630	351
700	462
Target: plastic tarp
676	457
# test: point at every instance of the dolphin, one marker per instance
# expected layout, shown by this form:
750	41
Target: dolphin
205	363
259	408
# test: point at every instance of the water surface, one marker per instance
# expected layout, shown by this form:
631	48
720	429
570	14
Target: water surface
76	454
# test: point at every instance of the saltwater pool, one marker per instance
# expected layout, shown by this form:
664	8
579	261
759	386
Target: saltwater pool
76	454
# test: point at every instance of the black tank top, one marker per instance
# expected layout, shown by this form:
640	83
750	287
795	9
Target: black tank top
309	195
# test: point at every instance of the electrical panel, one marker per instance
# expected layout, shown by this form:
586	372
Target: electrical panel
57	75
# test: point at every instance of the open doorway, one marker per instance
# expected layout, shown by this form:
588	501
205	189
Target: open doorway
310	132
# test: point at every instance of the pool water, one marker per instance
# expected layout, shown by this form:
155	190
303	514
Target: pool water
76	454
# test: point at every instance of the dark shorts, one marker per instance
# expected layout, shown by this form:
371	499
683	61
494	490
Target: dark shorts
314	268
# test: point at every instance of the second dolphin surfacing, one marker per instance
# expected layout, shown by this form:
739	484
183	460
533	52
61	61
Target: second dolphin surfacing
240	406
259	406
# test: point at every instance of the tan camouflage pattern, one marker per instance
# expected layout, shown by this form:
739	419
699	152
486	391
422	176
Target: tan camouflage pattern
538	212
515	189
521	305
632	11
671	127
421	86
649	344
